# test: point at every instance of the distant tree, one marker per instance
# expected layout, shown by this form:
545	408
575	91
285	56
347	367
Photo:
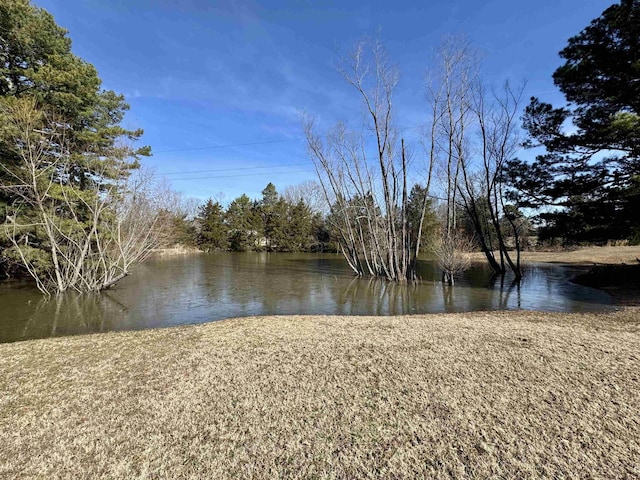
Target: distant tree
269	196
212	231
273	212
592	170
322	239
271	223
430	223
300	227
280	228
183	230
243	224
310	192
180	217
286	226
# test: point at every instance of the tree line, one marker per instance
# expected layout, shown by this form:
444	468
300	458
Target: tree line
299	220
273	223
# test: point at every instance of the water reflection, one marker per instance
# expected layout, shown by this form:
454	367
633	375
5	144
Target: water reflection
202	288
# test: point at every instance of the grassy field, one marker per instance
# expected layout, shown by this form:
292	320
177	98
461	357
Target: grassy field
581	256
480	395
588	256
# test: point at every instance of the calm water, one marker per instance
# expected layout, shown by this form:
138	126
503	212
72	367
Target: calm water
202	288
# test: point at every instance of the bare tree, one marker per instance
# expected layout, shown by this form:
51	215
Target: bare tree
473	136
67	237
482	190
364	180
311	193
450	96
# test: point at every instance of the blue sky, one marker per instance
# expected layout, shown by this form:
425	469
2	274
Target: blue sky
219	86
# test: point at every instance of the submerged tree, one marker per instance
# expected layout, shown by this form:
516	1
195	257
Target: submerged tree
70	238
366	182
66	190
473	136
484	188
449	95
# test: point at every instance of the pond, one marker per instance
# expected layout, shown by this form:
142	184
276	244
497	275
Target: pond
202	288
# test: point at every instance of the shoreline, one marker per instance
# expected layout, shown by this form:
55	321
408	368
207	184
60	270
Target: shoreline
621	282
173	251
581	256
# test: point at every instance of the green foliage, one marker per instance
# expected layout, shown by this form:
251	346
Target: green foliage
38	258
212	231
38	63
243	224
600	77
272	223
276	223
430	224
269	196
321	238
359	212
56	97
300	227
183	231
589	173
272	211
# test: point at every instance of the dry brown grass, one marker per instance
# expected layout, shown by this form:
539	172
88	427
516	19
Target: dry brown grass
582	256
175	250
480	395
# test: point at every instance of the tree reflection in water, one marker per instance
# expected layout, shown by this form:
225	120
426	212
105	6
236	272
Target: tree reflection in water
202	288
72	314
